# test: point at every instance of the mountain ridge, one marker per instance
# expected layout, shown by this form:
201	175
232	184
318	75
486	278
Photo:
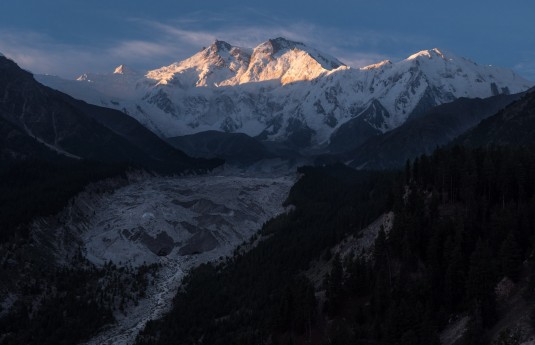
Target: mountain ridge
512	126
424	133
34	113
283	89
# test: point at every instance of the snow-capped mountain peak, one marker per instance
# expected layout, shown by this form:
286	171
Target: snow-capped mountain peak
124	70
284	90
430	54
287	61
120	73
218	64
222	64
220	45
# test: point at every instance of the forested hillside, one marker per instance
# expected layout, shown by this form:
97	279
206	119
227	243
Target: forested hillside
463	222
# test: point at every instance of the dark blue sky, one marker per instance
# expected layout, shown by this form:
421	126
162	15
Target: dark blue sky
69	37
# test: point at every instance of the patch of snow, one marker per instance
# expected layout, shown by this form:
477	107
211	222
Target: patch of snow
54	148
454	331
361	244
504	288
6	304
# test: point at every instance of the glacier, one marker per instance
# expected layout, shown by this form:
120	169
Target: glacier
175	222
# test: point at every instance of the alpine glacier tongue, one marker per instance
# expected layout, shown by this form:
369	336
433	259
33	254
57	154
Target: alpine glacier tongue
287	91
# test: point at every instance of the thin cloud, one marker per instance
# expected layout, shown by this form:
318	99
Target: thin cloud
358	60
171	32
140	50
526	66
40	54
181	38
526	69
330	40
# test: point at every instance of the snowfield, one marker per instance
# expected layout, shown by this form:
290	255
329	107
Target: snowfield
178	222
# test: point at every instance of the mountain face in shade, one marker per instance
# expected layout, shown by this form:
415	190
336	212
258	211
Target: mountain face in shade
422	134
232	147
38	122
514	126
288	92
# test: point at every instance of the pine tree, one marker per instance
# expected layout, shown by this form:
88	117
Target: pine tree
380	250
334	284
511	260
480	282
455	276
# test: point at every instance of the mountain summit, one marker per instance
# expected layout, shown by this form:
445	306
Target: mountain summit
430	54
122	69
287	61
222	64
218	64
286	91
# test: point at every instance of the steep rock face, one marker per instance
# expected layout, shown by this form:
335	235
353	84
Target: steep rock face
281	87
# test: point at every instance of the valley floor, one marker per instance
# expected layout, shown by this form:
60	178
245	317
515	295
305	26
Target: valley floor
177	223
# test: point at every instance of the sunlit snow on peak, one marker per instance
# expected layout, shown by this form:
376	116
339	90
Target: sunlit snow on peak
220	45
377	65
430	54
283	86
122	69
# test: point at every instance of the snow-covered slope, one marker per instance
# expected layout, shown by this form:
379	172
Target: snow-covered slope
286	91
